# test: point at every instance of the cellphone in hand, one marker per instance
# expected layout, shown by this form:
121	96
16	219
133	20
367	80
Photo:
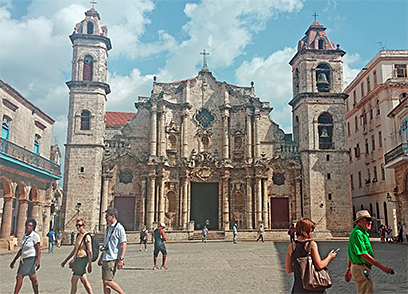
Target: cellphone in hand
337	250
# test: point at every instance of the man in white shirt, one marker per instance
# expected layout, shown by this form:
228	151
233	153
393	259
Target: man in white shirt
114	248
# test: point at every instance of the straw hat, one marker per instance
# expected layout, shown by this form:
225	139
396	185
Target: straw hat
363	214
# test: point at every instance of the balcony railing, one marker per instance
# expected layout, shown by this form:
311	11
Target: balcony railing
401	149
17	152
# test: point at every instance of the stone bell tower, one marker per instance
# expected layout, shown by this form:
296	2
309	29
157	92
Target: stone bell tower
86	122
319	127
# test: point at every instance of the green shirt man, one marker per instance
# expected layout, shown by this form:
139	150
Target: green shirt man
361	255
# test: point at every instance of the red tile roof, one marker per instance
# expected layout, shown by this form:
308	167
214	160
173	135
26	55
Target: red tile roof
118	118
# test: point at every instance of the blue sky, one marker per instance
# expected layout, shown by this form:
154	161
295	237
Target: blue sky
250	40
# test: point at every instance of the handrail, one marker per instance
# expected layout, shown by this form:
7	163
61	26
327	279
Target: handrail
17	152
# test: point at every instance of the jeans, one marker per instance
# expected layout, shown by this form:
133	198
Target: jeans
235	236
204	238
51	244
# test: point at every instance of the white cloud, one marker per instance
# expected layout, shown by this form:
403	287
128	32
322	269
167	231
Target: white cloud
273	81
349	73
223	28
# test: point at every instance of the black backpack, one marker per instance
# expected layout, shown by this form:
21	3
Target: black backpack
95	247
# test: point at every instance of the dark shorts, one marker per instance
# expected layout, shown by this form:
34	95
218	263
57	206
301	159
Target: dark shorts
159	248
80	266
143	241
27	266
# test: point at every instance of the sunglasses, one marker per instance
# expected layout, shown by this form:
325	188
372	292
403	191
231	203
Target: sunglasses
29	225
368	220
79	225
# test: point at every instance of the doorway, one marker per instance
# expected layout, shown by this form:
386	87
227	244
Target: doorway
204	205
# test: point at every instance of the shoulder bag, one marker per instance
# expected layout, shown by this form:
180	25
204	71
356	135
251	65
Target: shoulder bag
313	279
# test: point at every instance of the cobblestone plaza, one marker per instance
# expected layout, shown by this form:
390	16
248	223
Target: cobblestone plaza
213	267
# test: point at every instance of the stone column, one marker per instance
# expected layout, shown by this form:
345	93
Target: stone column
188	199
257	137
265	204
153	129
249	133
22	217
184	203
225	146
249	201
35	213
162	133
184	149
258	201
161	200
144	201
105	197
6	219
225	198
151	187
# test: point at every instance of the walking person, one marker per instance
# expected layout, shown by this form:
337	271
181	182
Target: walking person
51	241
82	253
304	231
260	233
30	253
382	234
291	233
144	234
59	239
204	236
361	255
400	233
235	232
114	248
159	246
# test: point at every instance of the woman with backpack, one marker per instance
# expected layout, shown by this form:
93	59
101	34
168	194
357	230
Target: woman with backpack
82	253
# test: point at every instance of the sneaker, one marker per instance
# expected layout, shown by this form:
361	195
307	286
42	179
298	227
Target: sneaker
146	249
165	267
155	268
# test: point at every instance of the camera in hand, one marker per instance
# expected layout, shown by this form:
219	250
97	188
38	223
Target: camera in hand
104	248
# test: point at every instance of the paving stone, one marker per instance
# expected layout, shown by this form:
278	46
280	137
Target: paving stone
214	267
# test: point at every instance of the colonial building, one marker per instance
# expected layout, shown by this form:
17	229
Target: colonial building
28	176
397	157
203	152
376	90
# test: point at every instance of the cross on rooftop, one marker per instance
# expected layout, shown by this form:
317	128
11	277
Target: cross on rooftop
204	57
315	15
93	3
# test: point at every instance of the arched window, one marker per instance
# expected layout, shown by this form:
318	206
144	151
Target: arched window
378	210
321	44
385	214
88	68
85	120
325	128
402	96
89	28
5	128
323	77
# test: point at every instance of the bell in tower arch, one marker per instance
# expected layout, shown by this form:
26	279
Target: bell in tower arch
322	83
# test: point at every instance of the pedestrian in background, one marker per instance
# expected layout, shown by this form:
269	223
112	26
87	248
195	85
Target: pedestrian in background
304	231
82	254
159	246
114	248
144	234
260	234
51	241
59	239
204	235
235	232
400	232
361	255
30	253
291	233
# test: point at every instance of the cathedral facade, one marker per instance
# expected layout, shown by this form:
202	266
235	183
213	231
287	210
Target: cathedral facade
203	152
